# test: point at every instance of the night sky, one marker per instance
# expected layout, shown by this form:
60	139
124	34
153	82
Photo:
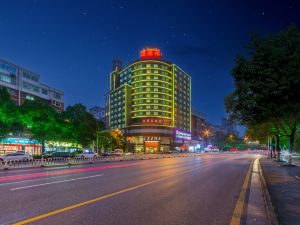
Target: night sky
72	43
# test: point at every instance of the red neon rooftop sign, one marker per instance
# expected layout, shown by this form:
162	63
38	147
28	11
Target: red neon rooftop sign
150	53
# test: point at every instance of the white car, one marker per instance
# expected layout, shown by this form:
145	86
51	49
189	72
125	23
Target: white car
87	155
17	156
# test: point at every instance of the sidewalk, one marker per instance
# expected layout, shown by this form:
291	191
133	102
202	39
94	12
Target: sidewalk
284	190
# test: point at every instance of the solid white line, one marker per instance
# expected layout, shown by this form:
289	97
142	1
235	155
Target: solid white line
55	182
24	181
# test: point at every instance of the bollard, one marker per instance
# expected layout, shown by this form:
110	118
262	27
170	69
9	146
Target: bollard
69	162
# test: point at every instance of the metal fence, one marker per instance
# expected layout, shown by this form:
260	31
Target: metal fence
10	164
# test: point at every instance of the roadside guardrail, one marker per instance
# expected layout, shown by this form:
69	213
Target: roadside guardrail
10	164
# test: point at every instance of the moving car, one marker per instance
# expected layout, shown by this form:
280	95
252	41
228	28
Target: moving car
17	156
87	155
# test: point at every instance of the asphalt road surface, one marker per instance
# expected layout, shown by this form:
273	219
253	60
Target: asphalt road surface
177	191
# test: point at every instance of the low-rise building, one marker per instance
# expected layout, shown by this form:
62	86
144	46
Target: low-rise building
23	84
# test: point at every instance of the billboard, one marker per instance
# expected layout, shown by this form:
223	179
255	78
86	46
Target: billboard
180	134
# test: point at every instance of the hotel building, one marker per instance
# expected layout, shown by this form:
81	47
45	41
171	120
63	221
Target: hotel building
150	101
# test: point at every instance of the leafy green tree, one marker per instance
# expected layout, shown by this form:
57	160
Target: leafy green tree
9	115
82	125
267	84
41	119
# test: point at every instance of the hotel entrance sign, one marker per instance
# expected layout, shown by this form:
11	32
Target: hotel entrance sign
150	53
152	139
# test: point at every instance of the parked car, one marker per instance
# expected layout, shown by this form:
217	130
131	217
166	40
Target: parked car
118	152
16	156
60	155
87	155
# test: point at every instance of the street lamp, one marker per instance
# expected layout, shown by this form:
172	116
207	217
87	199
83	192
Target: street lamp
206	134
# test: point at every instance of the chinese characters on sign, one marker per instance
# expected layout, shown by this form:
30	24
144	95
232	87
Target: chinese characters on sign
150	53
153	120
151	138
182	134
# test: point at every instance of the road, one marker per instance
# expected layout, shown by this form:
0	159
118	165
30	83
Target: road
185	191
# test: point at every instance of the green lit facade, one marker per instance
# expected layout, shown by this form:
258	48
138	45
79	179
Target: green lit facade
148	99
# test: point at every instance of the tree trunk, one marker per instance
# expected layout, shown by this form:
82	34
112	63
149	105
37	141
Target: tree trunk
278	147
273	147
291	149
43	146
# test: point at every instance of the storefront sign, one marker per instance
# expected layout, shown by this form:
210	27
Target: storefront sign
182	134
151	138
20	141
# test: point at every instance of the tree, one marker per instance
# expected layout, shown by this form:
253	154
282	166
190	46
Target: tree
41	119
9	115
83	125
267	84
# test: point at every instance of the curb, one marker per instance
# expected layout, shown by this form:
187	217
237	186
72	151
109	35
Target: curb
271	215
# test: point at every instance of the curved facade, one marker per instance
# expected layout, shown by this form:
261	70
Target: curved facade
147	99
152	93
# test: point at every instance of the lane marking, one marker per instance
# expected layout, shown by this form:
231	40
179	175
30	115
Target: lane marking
42	216
55	182
47	174
297	177
170	166
239	207
24	181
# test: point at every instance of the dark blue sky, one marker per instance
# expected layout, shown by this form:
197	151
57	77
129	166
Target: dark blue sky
72	43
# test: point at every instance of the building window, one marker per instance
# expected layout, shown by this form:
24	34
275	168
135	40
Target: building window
44	91
57	95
